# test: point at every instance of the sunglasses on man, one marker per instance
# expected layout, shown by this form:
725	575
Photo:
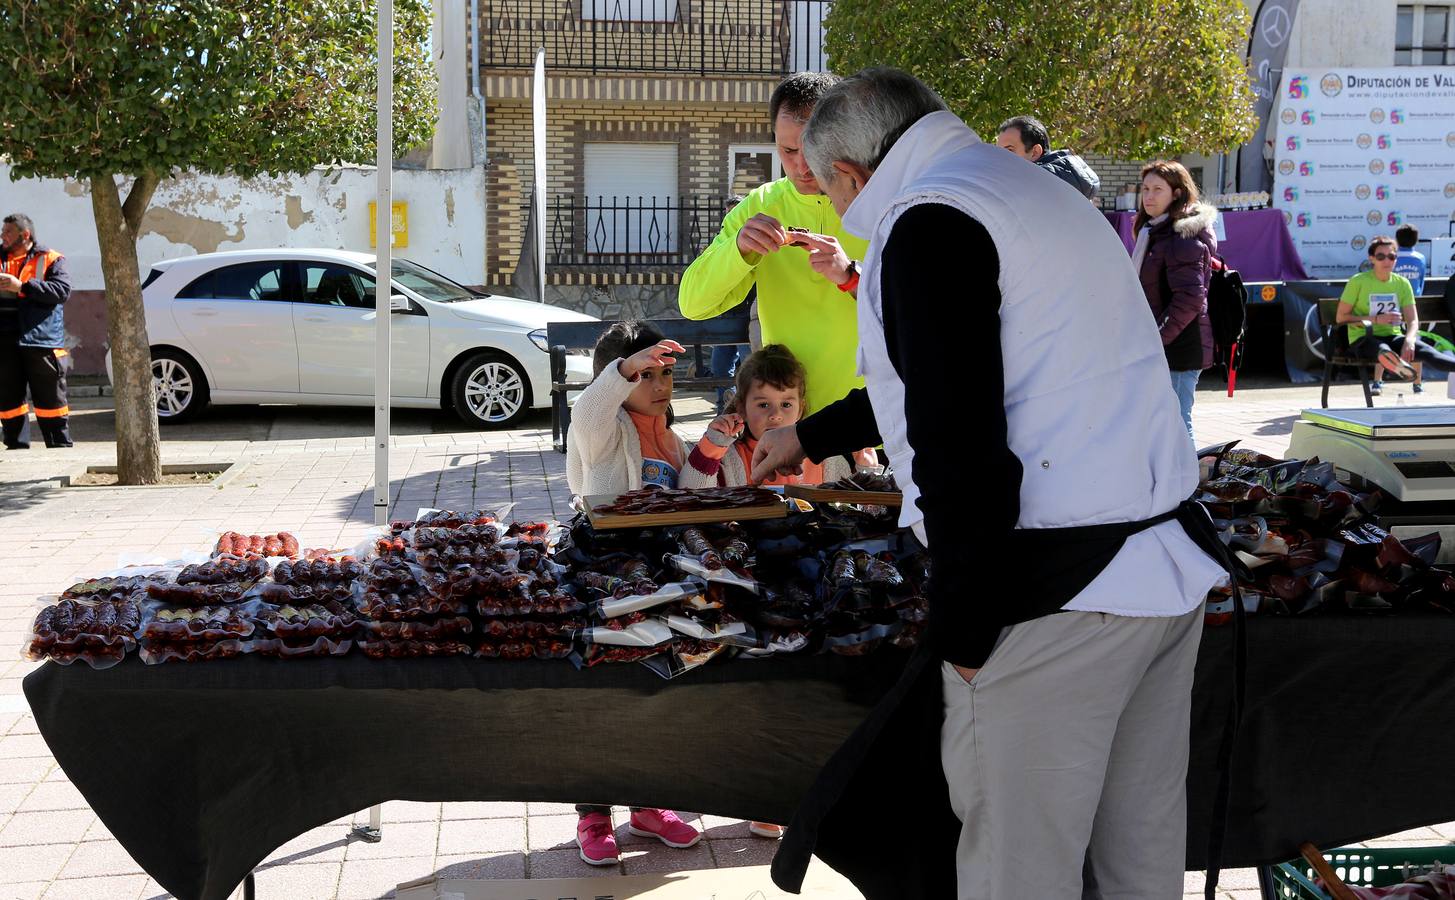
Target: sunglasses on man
1385	256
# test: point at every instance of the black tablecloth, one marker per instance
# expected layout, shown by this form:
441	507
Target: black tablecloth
201	771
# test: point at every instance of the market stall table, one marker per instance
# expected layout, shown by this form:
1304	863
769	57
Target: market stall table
203	770
1257	243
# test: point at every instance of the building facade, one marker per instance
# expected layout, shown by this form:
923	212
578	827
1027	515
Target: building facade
657	115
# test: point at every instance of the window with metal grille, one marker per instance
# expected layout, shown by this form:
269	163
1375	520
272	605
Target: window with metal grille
631	199
1424	35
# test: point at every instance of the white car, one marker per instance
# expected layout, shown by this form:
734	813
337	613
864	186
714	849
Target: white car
297	326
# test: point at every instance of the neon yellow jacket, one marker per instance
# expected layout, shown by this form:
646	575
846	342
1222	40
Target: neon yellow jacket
797	307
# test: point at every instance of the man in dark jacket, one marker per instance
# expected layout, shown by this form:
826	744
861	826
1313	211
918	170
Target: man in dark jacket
34	286
1027	138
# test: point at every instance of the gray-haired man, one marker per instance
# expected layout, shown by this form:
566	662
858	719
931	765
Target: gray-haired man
1066	661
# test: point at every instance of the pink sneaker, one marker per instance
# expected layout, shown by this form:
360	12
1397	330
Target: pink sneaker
596	841
664	825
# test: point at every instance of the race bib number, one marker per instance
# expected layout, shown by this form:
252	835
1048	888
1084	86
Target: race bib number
1384	305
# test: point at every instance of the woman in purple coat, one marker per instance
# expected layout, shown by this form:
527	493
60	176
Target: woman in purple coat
1173	257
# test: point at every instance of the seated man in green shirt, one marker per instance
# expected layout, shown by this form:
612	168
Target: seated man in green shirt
1378	306
805	277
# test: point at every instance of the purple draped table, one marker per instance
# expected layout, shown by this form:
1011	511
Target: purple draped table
1258	244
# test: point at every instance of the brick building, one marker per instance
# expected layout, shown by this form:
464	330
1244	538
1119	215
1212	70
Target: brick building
657	113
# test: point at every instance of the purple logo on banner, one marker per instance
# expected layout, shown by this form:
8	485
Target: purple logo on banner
1396	116
1305	169
1381	192
1290	195
1305	220
1293	142
1396	167
1384	142
1309	117
1298	88
1394	218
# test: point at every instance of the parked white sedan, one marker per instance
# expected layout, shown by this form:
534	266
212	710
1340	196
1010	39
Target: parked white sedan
297	326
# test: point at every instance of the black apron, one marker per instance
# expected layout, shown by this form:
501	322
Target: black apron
889	768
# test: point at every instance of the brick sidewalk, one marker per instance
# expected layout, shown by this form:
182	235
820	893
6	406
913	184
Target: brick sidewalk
319	487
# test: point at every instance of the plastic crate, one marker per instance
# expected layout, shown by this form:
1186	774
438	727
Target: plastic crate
1359	867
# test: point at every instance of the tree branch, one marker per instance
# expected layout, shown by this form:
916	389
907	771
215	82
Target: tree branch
138	199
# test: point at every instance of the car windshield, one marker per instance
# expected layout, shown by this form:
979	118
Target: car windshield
429	284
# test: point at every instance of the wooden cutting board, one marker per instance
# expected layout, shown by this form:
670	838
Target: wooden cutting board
815	494
775	510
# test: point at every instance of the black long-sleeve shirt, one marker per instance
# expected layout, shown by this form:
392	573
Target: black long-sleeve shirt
940	301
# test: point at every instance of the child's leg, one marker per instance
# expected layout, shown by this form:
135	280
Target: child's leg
595	838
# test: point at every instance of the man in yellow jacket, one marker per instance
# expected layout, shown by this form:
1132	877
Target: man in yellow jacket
805	282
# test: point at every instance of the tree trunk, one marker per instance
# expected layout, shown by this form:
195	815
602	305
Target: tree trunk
138	440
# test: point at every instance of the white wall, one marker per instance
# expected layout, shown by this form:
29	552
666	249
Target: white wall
1343	33
199	214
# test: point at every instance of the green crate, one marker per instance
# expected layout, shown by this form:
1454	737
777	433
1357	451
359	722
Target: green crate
1359	867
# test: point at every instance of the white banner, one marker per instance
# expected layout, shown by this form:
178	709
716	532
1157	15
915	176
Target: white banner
1359	153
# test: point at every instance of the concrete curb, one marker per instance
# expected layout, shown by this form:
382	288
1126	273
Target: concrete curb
226	472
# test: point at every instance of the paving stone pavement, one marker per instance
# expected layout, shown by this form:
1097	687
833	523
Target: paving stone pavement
310	472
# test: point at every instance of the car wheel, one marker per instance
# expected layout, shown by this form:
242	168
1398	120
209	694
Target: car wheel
491	390
180	386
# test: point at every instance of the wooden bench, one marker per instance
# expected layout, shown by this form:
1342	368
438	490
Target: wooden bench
563	337
1336	342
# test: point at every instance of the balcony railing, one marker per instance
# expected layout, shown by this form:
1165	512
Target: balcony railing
707	37
625	233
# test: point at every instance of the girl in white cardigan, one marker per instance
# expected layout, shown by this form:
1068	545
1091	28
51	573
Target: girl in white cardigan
620	440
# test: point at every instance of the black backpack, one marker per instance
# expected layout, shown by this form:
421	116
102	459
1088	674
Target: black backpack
1227	302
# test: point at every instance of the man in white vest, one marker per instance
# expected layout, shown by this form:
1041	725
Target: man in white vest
1066	606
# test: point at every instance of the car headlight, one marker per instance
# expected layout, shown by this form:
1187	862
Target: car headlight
538	337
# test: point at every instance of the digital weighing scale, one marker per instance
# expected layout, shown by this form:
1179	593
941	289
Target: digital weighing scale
1407	452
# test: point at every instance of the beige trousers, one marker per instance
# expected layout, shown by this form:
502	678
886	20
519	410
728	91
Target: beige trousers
1066	758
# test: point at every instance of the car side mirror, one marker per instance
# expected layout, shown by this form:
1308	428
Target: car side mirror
399	303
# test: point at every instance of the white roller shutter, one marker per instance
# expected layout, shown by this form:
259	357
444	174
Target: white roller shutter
631	198
629	10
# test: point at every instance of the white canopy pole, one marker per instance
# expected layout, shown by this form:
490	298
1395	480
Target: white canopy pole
383	294
383	297
538	108
383	235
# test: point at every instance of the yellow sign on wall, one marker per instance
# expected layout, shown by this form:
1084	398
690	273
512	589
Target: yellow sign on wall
398	224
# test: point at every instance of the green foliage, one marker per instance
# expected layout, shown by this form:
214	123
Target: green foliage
102	87
1127	78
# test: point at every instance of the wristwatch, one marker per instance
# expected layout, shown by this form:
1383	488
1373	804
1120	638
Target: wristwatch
853	281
